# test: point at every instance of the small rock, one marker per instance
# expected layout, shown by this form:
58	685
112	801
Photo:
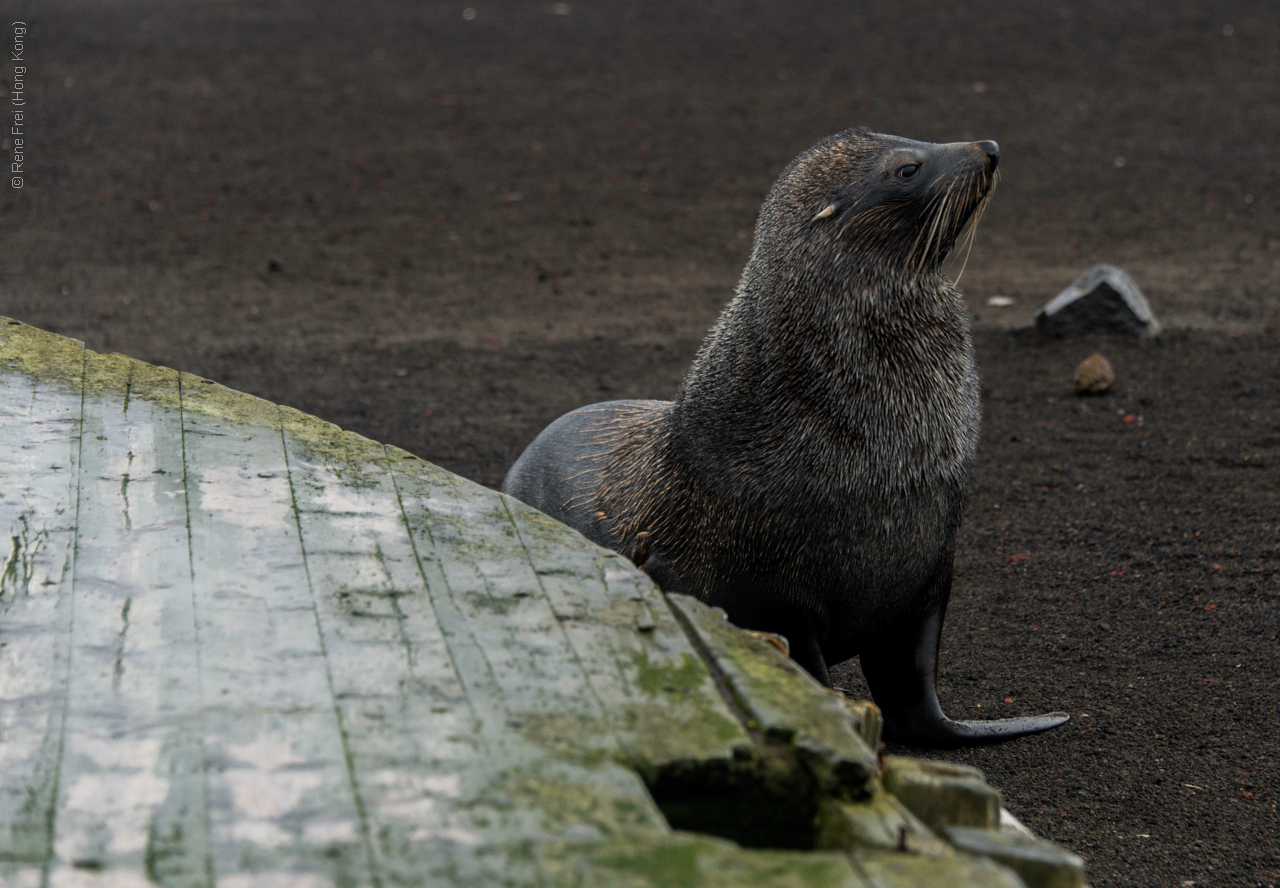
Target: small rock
1094	375
1103	299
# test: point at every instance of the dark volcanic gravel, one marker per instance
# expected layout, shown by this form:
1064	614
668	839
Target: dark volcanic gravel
444	232
1119	561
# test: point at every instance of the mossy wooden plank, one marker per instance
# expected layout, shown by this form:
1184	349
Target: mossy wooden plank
280	790
785	702
890	870
692	861
661	700
489	579
447	800
1039	863
241	646
879	823
943	794
410	731
131	791
40	429
868	722
548	777
52	362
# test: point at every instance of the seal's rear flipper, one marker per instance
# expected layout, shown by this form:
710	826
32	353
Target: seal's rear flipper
901	671
926	725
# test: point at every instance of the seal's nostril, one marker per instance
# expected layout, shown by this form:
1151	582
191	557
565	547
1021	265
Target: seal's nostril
992	150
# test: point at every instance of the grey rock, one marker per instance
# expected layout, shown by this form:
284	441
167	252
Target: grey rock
1103	299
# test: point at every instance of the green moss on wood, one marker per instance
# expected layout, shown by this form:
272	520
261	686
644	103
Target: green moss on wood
686	861
45	357
942	794
891	870
786	703
670	678
1041	864
563	803
343	864
878	823
652	737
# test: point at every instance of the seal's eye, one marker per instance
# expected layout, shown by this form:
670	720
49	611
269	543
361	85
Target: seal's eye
906	172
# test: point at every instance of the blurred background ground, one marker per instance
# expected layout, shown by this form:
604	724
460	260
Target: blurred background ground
444	228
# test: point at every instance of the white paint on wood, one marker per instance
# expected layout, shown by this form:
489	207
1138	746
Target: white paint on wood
131	763
239	646
274	748
40	431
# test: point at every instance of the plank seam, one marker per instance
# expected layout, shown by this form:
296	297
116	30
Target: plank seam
444	632
195	630
717	675
366	836
52	818
448	626
568	641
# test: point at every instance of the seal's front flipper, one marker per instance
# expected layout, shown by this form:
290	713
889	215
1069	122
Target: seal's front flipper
901	669
805	648
797	626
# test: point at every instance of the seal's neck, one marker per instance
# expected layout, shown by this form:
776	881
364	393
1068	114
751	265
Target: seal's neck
850	359
801	333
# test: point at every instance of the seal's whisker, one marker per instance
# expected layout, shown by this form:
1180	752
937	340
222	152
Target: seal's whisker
919	254
973	225
945	225
918	261
937	229
912	257
973	233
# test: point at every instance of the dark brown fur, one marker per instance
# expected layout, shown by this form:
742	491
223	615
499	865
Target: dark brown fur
810	474
836	392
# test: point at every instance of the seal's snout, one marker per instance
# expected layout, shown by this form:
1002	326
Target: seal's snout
992	150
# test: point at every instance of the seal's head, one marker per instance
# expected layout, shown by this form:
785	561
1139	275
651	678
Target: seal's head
884	200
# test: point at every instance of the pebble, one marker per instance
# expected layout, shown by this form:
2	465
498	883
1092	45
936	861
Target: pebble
1094	375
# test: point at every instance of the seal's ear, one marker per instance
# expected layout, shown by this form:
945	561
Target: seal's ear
829	211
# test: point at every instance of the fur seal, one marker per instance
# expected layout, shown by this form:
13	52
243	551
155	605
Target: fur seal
810	474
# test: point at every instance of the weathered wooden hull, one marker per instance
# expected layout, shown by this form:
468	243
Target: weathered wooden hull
240	646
